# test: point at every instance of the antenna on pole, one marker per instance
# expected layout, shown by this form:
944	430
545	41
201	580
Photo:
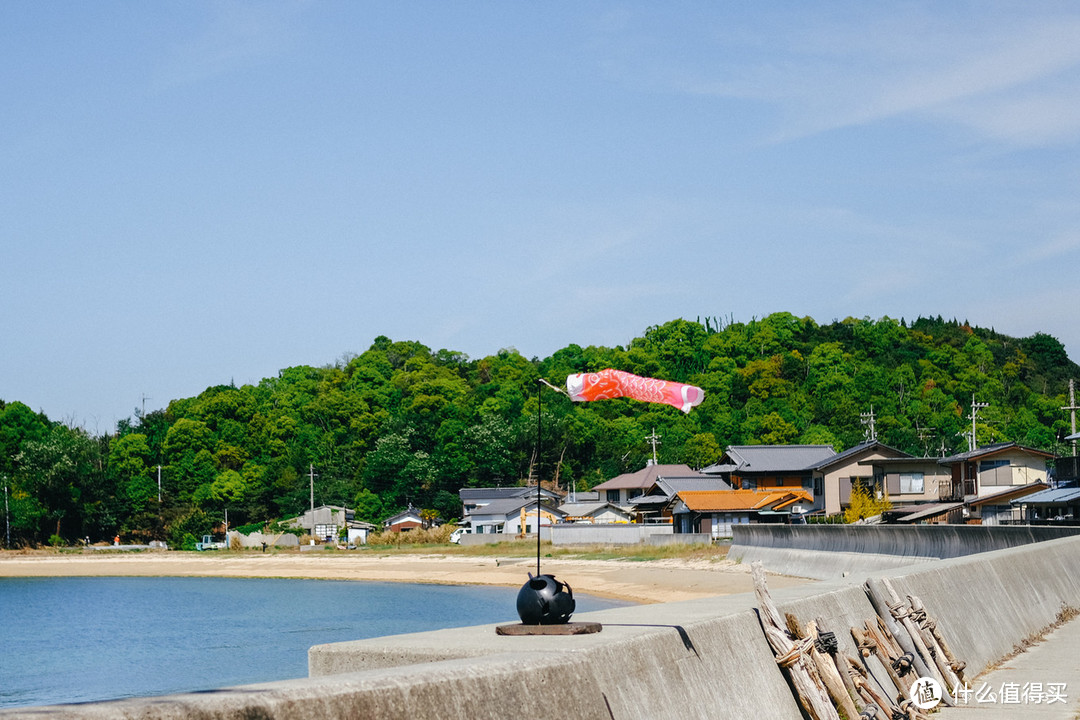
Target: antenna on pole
654	440
1072	408
869	420
924	435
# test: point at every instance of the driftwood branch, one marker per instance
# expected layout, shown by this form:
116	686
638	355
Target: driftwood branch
831	676
791	656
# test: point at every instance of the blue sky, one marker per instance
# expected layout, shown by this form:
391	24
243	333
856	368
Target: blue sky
193	193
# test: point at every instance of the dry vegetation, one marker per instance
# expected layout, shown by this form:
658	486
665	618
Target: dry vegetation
1065	614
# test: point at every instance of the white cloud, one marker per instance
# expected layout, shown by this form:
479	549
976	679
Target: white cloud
1056	247
1007	79
234	35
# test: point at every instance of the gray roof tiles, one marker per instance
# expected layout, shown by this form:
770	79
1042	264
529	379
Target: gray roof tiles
1053	496
778	458
646	477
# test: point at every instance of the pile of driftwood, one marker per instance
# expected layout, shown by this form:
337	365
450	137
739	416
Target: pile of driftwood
895	647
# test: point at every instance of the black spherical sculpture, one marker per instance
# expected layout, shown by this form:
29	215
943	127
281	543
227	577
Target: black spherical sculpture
543	601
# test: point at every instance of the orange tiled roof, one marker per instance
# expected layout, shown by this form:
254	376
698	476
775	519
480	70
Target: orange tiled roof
741	500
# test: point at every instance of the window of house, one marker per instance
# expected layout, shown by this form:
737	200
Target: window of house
613	496
912	483
995	472
634	493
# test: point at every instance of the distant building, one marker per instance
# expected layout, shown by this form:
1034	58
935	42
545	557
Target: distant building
715	512
504	516
405	521
595	512
621	489
778	467
655	506
990	469
1052	506
324	522
475	500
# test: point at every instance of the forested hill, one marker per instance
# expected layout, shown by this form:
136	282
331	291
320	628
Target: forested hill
401	424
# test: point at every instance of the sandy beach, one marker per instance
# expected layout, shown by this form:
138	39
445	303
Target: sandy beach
649	581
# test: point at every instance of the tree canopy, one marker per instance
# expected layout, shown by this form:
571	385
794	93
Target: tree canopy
399	424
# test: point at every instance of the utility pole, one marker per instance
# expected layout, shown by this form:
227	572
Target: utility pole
311	477
7	518
924	435
869	420
158	484
654	440
975	408
1072	408
145	397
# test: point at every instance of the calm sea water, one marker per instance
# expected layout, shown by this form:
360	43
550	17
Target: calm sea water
68	640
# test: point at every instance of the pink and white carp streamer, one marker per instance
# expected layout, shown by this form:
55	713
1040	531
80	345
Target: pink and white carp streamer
610	383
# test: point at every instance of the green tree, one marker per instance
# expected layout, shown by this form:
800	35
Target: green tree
52	474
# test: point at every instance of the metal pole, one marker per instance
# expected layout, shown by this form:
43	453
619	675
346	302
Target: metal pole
1072	408
311	475
539	420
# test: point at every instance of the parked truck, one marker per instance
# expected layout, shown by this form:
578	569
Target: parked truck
208	543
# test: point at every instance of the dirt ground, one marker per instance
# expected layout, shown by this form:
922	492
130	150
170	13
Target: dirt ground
649	581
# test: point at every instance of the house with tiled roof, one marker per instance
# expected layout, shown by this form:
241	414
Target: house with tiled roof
505	515
1050	506
774	467
655	505
621	489
473	498
406	520
976	487
836	475
595	512
715	512
992	468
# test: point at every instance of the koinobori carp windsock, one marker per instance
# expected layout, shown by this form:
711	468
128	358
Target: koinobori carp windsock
610	383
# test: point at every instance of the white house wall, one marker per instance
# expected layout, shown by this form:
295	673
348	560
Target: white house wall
936	483
1023	469
831	481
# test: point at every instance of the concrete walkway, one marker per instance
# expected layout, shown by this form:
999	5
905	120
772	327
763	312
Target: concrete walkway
1043	682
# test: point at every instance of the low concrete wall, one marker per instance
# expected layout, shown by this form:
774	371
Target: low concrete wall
615	534
828	551
680	539
700	658
256	539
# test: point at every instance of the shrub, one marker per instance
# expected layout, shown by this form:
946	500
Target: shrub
431	536
196	524
56	541
864	504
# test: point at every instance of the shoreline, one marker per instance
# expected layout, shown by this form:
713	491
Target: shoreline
648	581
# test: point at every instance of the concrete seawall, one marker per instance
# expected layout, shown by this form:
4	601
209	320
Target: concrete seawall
834	551
703	658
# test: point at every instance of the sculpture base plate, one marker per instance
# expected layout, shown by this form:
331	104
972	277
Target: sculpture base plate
573	628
